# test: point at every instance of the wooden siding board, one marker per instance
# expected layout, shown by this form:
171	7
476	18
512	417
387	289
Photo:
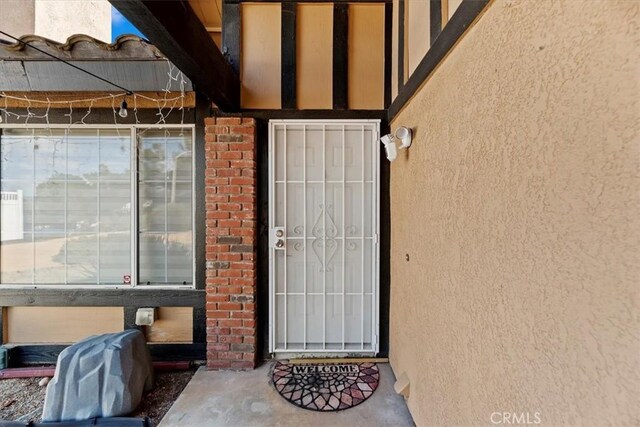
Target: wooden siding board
315	56
366	56
418	28
261	65
464	17
172	325
61	324
394	50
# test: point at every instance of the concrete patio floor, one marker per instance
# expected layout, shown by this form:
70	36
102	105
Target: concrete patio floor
243	399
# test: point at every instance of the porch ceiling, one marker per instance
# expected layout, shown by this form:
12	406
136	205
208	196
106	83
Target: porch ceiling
176	30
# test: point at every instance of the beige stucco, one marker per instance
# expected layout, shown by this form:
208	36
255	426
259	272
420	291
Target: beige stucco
518	207
17	17
59	19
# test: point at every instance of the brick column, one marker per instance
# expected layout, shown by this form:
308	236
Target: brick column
231	242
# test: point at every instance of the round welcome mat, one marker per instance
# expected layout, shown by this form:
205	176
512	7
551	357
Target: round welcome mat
326	386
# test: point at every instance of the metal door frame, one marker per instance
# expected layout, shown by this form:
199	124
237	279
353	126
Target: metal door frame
375	315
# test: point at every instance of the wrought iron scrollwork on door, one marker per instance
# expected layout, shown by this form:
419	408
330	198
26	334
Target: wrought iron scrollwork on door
325	237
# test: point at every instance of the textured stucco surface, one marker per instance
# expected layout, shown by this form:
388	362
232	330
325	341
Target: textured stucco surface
519	208
59	19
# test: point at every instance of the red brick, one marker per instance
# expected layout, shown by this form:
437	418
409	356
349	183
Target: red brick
218	347
234	274
229	120
214	298
243	331
229	206
241	146
218	331
230	155
217	215
230	289
232	338
230	323
230	189
217	164
242	130
214	314
229	355
242	315
216	129
230	210
229	172
230	257
229	306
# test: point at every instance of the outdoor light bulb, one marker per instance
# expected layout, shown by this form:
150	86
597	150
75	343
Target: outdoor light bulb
123	110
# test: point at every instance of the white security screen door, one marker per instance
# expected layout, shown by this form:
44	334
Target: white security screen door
323	236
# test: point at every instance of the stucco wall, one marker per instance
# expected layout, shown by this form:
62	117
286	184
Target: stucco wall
17	17
59	19
519	208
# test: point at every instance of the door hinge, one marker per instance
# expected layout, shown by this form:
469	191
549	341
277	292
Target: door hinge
374	341
375	238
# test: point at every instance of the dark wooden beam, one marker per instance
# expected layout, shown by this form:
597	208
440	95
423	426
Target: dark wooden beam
310	114
103	297
231	33
288	46
310	1
435	16
199	324
385	244
464	16
1	325
340	56
401	38
202	111
174	28
130	318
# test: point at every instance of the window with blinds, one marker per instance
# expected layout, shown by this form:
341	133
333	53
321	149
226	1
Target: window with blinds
85	206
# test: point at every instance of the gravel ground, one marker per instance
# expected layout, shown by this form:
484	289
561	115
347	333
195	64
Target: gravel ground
23	399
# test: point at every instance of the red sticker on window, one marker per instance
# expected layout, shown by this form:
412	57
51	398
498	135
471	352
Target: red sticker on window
126	279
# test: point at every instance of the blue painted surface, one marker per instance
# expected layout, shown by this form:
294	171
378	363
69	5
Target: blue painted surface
121	25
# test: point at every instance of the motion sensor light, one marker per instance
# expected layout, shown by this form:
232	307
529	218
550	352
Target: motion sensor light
404	135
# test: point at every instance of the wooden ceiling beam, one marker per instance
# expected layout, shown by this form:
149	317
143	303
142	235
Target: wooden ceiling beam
174	28
84	99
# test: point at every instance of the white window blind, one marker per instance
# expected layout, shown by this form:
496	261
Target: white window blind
73	222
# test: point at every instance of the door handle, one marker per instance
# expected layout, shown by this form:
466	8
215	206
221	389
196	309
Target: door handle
278	238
